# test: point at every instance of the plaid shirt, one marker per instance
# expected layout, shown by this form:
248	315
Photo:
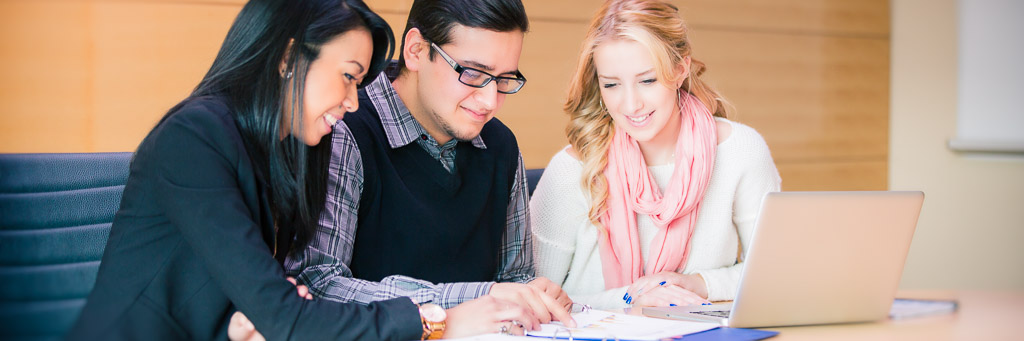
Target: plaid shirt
324	264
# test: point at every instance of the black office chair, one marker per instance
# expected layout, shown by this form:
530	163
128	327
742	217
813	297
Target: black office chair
532	177
55	215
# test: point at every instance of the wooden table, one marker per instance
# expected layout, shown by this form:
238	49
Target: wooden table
983	315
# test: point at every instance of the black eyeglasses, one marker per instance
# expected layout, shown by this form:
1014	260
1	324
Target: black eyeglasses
478	78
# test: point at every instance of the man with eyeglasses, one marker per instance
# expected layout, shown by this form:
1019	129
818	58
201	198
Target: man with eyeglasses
427	195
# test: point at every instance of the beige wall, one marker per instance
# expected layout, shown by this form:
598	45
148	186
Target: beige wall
95	76
810	75
972	224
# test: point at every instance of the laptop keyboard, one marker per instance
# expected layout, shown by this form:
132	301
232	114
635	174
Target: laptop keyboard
715	313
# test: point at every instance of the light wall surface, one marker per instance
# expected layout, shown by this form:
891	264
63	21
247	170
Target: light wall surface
813	76
810	75
972	223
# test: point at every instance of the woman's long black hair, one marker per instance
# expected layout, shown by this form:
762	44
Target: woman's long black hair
247	72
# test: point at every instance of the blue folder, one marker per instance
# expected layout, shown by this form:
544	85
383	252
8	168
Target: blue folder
729	334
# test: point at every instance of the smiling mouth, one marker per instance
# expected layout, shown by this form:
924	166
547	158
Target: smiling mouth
474	113
639	119
330	119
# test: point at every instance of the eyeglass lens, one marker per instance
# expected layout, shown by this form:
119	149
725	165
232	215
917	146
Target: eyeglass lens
473	77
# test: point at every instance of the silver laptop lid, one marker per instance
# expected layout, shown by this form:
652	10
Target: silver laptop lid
825	257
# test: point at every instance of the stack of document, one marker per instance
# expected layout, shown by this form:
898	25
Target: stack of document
603	325
908	308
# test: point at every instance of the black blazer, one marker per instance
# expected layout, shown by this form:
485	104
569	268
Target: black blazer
191	244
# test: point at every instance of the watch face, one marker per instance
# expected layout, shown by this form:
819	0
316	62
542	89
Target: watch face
433	313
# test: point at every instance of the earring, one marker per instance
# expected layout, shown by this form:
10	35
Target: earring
679	98
286	75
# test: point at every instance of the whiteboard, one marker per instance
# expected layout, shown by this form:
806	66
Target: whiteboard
990	88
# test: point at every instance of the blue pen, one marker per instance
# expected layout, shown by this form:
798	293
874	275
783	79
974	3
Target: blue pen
662	283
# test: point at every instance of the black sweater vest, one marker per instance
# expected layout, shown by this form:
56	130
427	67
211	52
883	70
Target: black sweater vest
417	219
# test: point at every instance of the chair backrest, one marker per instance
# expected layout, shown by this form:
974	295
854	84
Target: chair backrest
55	215
532	177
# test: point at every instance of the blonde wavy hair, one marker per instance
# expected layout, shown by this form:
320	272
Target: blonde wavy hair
655	25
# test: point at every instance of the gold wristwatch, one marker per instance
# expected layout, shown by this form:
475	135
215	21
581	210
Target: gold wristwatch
433	318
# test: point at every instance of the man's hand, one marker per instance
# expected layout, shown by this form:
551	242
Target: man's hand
553	290
486	315
543	306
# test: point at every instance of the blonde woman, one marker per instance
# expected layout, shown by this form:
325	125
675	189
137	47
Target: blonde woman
656	195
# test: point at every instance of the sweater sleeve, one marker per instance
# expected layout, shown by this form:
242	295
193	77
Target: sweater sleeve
558	213
757	177
557	210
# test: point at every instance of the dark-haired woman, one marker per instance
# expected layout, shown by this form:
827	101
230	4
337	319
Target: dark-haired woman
233	178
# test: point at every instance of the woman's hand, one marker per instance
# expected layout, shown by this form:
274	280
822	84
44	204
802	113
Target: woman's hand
486	315
693	284
300	289
241	329
667	295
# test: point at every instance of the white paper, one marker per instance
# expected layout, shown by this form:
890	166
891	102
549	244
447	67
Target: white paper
597	324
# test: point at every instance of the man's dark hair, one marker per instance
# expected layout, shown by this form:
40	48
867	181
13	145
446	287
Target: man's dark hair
435	19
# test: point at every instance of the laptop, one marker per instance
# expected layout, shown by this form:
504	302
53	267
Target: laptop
818	258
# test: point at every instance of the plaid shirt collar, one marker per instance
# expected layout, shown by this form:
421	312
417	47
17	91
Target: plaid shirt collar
400	126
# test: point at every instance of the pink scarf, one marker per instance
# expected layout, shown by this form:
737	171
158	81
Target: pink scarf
632	190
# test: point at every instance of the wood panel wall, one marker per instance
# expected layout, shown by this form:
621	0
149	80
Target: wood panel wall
811	75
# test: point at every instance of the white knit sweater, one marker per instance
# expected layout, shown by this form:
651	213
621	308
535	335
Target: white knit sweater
565	242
